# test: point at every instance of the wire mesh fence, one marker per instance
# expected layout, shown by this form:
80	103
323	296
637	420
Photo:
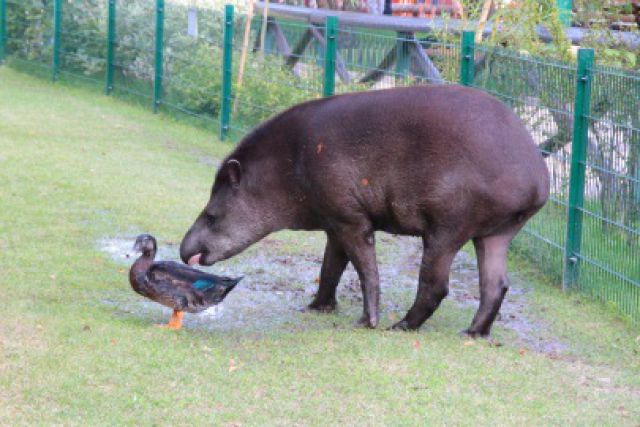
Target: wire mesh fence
237	71
192	61
29	32
541	92
82	47
282	64
610	255
377	59
133	44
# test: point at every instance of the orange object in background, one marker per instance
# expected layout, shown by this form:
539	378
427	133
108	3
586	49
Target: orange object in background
426	8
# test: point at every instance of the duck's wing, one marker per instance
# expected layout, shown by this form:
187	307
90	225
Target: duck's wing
160	273
167	290
199	289
170	270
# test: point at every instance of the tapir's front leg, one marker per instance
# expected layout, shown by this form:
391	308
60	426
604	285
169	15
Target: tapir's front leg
333	265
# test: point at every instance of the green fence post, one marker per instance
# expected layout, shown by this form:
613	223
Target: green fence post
111	39
3	29
580	142
564	11
467	58
159	65
57	24
330	34
227	71
403	60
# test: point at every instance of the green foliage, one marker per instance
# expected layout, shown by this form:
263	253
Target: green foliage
196	84
618	58
268	87
84	36
594	15
29	28
518	29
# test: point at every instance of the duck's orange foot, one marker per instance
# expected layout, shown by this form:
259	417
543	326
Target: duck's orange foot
175	322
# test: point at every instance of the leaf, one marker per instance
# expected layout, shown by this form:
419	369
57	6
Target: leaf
416	345
468	343
232	365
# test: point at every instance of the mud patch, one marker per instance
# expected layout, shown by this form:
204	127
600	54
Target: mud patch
270	296
277	287
514	316
532	333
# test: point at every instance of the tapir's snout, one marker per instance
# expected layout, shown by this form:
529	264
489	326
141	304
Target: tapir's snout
189	247
184	253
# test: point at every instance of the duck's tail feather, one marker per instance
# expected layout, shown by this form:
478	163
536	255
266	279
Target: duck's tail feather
217	293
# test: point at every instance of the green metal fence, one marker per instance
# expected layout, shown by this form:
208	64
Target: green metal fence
585	118
609	257
269	83
542	93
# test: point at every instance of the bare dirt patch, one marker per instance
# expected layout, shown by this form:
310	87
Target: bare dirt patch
277	287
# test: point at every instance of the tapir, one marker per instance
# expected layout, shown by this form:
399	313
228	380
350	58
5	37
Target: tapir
443	162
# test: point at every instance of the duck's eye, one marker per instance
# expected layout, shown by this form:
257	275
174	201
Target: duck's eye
211	220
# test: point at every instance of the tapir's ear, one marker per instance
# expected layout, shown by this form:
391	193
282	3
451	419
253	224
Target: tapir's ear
234	169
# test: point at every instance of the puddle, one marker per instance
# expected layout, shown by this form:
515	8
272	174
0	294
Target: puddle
209	161
277	287
272	293
118	247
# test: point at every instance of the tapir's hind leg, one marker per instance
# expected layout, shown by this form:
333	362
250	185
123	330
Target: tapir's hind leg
333	265
433	284
491	252
358	242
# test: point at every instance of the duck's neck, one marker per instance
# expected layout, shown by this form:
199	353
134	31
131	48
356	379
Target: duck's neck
142	264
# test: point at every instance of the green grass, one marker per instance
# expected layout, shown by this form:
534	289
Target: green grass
76	166
609	271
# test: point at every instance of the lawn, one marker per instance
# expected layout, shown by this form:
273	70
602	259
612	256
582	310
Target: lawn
82	174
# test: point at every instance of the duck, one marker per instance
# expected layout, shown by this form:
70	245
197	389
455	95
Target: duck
177	286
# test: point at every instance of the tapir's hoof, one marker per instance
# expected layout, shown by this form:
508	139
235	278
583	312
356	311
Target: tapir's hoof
474	334
403	325
323	307
400	326
367	322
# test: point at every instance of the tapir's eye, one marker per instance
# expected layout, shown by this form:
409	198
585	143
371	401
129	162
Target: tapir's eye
211	220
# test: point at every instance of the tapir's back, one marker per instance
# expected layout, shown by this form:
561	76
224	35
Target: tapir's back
403	154
426	123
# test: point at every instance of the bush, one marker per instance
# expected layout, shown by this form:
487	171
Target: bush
196	84
268	87
29	29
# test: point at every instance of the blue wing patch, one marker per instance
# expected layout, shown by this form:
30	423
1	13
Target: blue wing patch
202	284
